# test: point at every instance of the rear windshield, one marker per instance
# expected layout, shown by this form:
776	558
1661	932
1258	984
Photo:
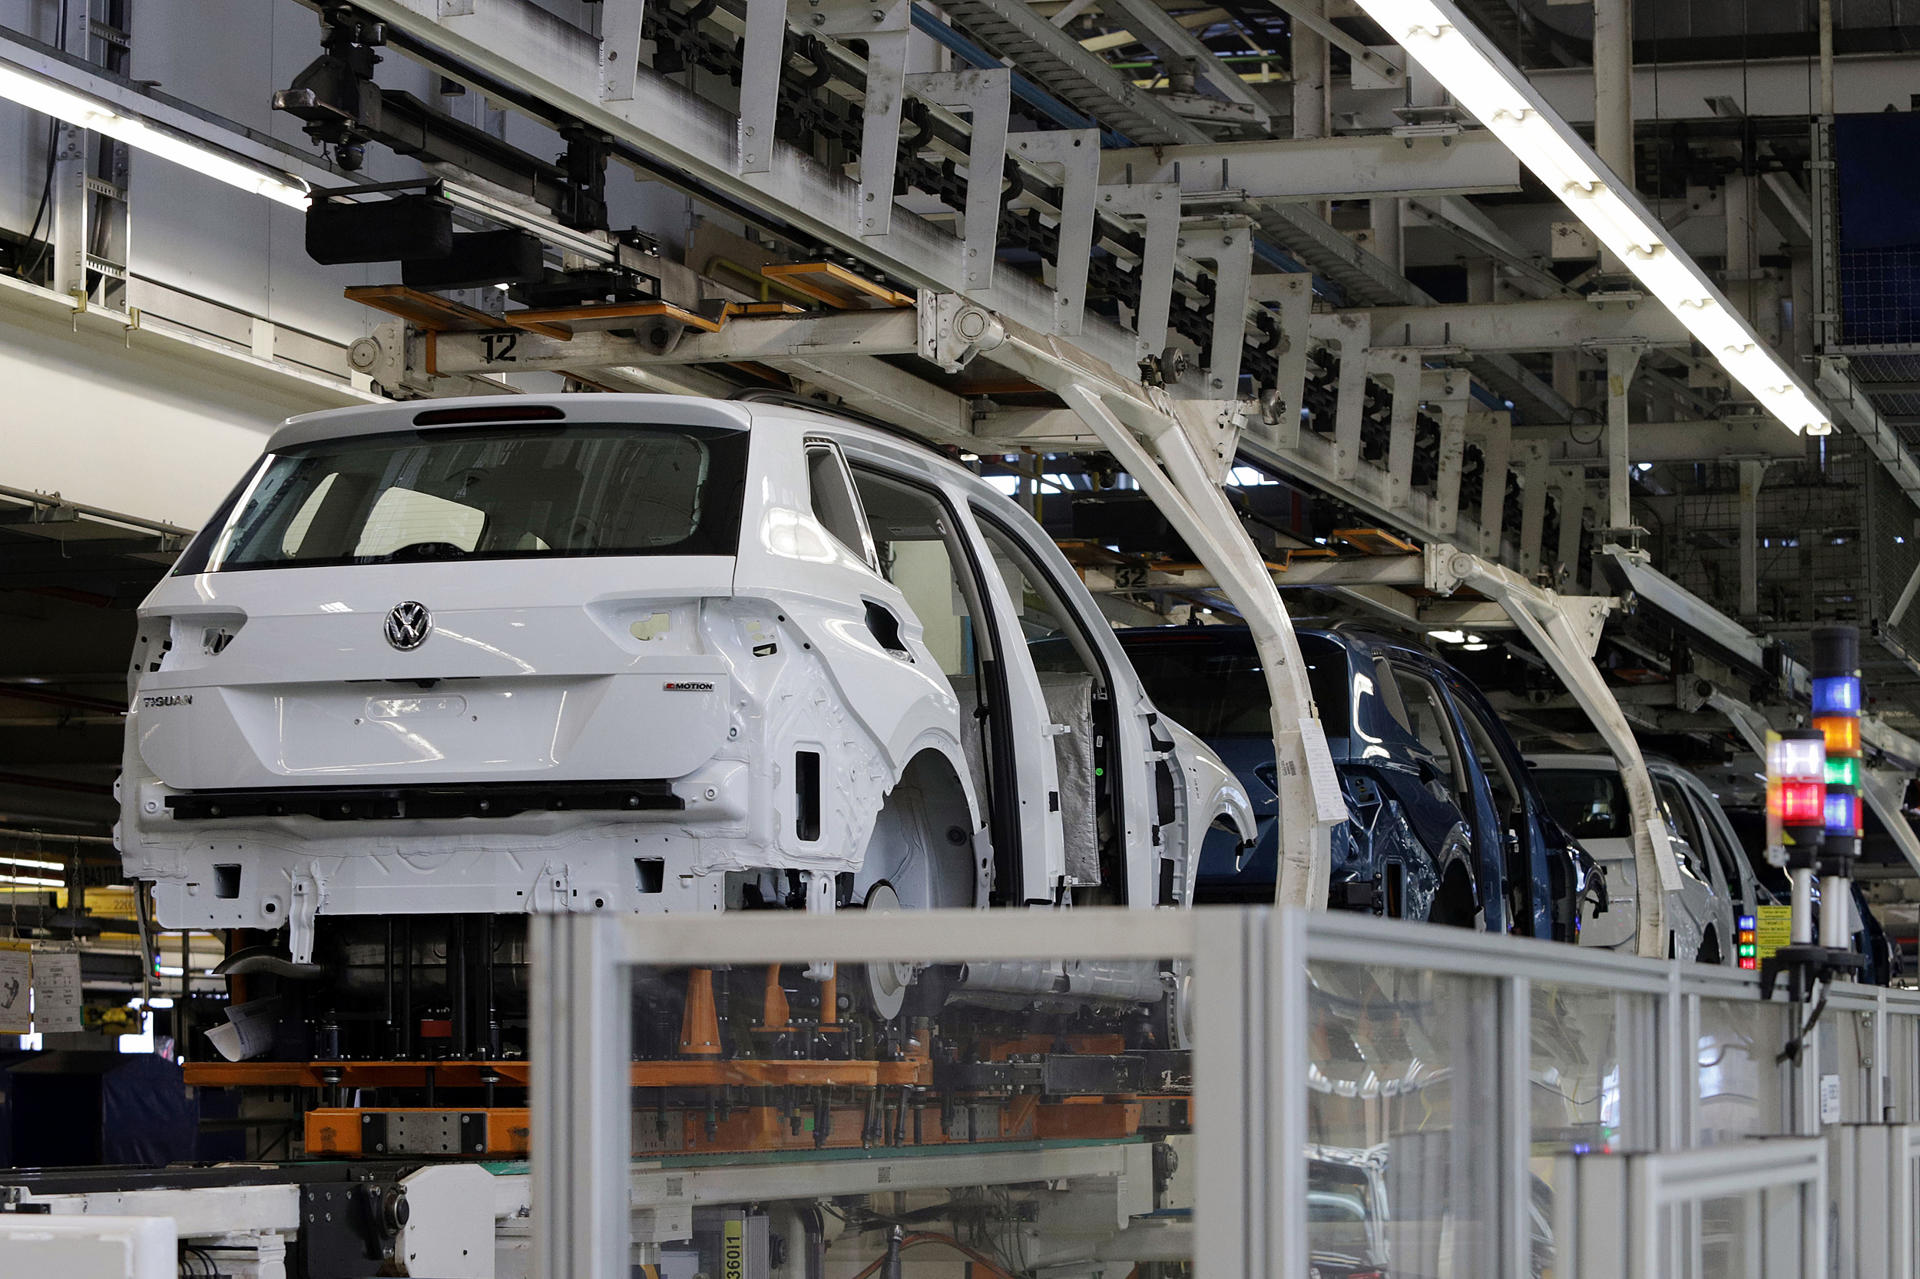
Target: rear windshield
483	493
1216	687
1588	803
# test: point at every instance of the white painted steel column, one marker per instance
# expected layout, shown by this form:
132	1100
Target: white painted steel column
1613	95
1622	362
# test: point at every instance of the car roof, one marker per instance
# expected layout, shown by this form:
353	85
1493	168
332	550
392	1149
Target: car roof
1602	763
585	408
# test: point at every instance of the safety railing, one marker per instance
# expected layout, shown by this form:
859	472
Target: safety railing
1758	1208
1362	1092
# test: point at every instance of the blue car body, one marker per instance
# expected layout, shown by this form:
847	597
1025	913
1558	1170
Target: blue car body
1444	822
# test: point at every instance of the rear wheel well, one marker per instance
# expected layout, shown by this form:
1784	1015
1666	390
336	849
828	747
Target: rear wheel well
1710	947
922	841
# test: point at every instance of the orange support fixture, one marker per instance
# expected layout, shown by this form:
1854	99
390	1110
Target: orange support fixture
700	1022
830	999
773	1004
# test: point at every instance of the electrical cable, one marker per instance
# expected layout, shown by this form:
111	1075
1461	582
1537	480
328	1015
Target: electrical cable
1791	1053
979	1259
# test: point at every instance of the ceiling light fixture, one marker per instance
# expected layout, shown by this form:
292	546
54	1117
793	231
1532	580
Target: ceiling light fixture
48	97
1482	80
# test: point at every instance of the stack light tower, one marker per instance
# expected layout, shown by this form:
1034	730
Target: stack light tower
1814	817
1836	713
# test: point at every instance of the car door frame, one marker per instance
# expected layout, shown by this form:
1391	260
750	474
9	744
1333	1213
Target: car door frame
1486	866
1133	753
1025	835
1537	890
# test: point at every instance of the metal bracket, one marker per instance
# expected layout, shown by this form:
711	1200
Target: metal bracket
884	27
1402	369
1280	404
1076	153
309	896
1159	204
986	96
1449	392
1353	334
1228	244
619	47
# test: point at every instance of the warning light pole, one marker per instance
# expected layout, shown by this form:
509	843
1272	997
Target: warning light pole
1813	820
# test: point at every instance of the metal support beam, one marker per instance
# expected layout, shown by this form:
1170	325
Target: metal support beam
1760	440
1312	15
1495	435
892	332
1622	362
1565	631
1516	327
1158	29
1613	95
1751	474
1297	170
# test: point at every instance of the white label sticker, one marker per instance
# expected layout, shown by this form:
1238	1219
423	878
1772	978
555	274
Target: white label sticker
1829	1099
16	981
56	992
1329	801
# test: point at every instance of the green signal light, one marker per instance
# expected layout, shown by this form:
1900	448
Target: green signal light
1843	771
1746	952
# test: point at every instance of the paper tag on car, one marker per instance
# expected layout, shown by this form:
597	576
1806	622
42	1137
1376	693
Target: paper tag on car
249	1029
1329	801
56	992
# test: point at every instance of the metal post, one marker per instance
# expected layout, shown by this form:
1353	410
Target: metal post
1228	1104
1622	362
1513	1179
579	1096
1613	96
1751	474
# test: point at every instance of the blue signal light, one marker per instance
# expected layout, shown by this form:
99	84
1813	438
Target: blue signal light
1836	695
1839	813
1746	924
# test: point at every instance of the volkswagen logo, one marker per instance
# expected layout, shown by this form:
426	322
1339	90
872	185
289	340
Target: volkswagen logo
408	626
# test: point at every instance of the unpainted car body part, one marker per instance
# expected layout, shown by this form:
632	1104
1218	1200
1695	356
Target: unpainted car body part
701	725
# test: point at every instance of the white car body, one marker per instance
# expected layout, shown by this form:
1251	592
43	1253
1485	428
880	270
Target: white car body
1717	883
649	715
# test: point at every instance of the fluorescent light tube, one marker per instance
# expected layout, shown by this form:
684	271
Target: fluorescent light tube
48	98
1483	82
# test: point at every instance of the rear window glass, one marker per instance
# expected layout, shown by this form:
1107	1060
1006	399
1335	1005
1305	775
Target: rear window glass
1588	803
1215	687
483	493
